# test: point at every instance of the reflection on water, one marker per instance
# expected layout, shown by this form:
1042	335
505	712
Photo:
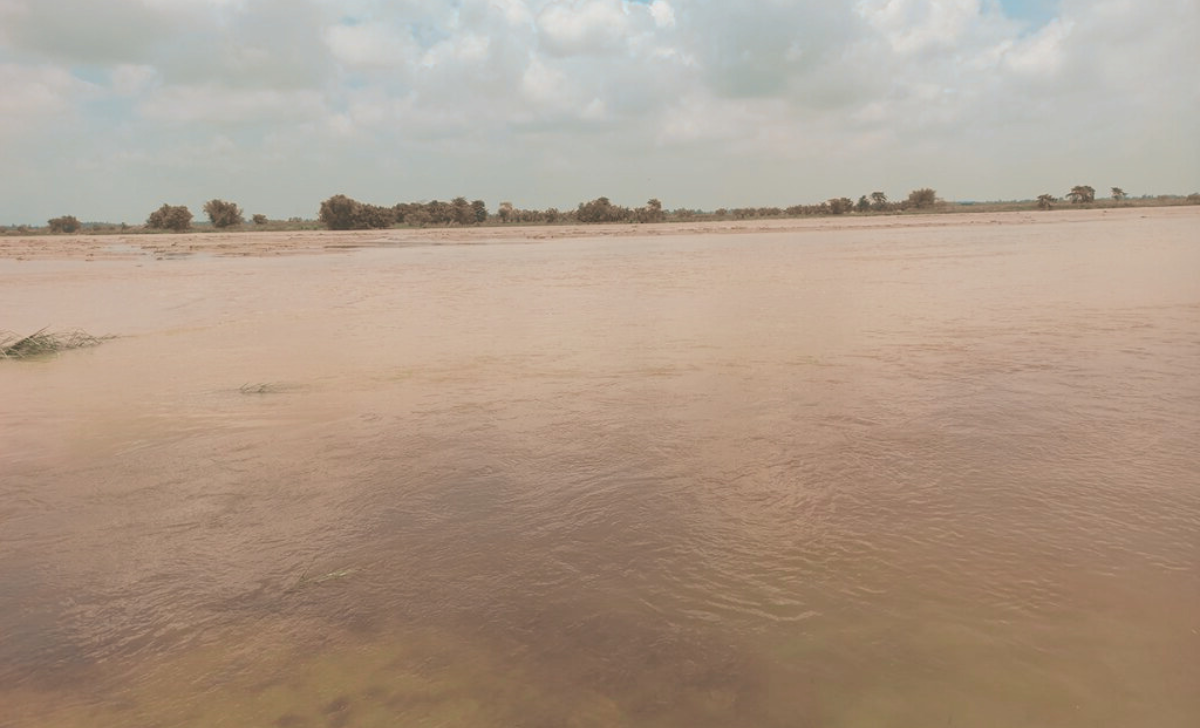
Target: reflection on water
925	476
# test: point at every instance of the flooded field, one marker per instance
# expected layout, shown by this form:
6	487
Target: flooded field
937	472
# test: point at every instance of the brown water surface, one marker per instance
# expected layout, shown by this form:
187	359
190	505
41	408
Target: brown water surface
941	474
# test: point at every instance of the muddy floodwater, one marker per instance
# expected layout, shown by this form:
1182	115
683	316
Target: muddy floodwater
942	471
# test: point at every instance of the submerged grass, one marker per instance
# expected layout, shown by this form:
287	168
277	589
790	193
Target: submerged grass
44	343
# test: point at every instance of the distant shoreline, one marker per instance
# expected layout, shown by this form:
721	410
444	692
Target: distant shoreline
251	242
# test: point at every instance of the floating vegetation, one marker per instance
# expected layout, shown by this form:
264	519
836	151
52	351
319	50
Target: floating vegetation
263	388
44	343
306	580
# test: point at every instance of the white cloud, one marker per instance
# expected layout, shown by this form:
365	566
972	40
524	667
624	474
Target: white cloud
885	91
130	79
585	26
370	45
913	26
515	12
663	14
470	48
212	103
36	94
1042	54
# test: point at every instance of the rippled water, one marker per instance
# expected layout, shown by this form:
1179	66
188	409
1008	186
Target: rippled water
862	477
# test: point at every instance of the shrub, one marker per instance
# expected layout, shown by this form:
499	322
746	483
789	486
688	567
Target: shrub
223	214
840	205
342	213
260	219
922	198
337	213
169	217
601	210
64	224
373	216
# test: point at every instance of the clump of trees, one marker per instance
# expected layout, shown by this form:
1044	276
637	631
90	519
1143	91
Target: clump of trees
343	213
64	224
223	214
170	217
436	212
601	210
508	213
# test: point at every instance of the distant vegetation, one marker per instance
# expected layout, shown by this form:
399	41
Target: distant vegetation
223	214
168	217
64	224
340	212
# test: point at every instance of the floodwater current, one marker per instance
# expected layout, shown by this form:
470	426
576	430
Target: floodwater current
923	476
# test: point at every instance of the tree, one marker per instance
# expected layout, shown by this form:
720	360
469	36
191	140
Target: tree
373	216
922	198
170	217
840	205
461	211
506	211
338	212
64	224
260	219
861	206
1046	201
652	212
417	217
1118	194
479	207
601	210
223	214
1081	193
879	201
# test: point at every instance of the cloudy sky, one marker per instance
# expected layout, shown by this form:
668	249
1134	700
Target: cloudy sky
108	108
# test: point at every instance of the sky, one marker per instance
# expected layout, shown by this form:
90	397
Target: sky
109	108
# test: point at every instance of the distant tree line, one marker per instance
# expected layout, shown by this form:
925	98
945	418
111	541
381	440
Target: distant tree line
344	213
1086	194
340	212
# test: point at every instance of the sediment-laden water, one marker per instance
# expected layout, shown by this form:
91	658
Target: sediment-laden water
942	475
